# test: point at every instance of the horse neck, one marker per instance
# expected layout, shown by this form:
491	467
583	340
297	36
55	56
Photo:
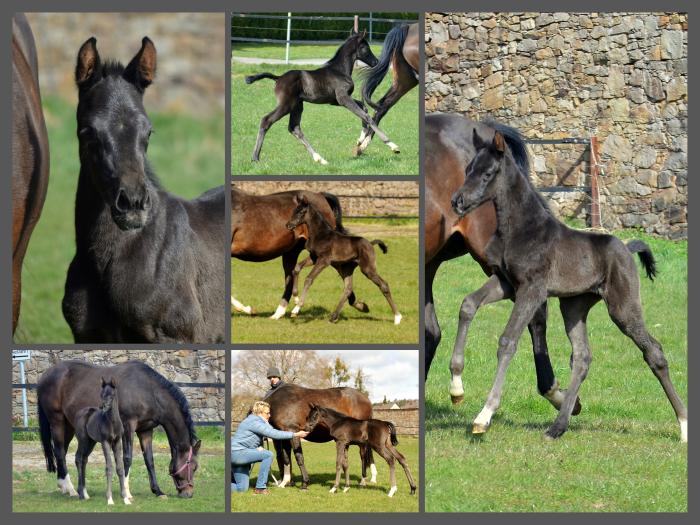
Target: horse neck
113	416
317	224
176	428
344	59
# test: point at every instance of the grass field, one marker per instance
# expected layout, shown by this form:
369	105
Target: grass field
35	490
186	153
261	285
320	463
331	130
621	454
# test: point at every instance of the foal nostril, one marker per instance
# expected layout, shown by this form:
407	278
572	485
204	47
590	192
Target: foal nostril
147	202
123	203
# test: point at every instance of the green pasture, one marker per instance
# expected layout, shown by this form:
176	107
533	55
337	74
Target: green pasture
621	454
261	284
186	153
319	459
35	490
331	130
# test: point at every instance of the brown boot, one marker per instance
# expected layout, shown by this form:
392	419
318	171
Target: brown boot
261	491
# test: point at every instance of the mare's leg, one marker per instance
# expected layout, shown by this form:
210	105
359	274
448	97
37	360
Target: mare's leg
240	307
402	461
344	99
339	453
527	300
370	272
61	434
85	446
286	469
494	290
432	327
319	266
265	124
108	470
625	310
547	383
146	441
295	129
346	275
119	460
128	447
299	455
289	261
575	312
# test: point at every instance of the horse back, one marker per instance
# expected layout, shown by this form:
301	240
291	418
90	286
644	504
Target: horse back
411	49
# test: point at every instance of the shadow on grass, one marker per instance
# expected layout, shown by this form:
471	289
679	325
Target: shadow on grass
328	480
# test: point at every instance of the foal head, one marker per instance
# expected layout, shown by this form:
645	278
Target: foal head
480	174
363	52
299	213
313	418
108	395
113	131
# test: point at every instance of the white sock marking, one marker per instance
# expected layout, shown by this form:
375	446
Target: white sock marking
333	489
684	429
484	417
456	387
392	491
110	501
240	307
127	501
126	486
70	487
397	319
373	470
393	147
279	313
346	489
318	158
365	142
296	309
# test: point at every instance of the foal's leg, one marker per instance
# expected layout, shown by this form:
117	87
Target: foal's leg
346	469
295	129
370	272
108	470
402	461
494	290
346	275
344	99
265	124
626	311
527	300
119	460
383	451
339	453
320	265
240	307
295	277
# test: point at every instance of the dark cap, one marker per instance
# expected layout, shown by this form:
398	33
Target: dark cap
273	371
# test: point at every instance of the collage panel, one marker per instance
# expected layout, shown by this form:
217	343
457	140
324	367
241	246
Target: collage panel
346	76
127	224
296	416
349	262
98	412
556	148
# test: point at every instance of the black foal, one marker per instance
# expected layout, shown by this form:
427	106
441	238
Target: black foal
329	247
375	433
330	84
535	256
101	425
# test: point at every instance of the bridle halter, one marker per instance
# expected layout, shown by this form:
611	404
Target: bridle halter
186	465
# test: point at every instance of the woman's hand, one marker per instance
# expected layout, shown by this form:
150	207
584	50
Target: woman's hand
301	434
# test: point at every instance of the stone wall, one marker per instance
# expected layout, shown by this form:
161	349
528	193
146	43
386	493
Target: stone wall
185	366
366	198
191	54
407	420
619	76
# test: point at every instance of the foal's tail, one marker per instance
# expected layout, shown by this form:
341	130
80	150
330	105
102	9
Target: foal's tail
334	203
45	432
392	430
645	255
393	43
254	78
381	245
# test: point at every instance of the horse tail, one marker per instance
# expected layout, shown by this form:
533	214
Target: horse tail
381	245
334	203
392	430
645	255
515	140
393	43
45	432
254	78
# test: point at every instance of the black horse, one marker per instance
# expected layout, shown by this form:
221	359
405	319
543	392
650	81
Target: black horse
535	256
146	400
330	84
101	425
149	266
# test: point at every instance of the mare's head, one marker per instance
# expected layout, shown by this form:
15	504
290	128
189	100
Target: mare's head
480	174
299	215
108	394
358	41
183	465
114	130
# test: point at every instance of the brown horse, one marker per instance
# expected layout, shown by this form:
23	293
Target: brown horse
449	149
258	232
30	151
290	406
400	50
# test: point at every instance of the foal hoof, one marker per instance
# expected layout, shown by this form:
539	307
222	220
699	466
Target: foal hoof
333	489
552	434
577	408
356	151
304	487
479	428
346	489
127	501
456	400
333	319
163	496
361	307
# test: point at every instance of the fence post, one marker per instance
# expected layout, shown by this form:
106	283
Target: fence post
289	36
370	28
356	24
25	415
595	195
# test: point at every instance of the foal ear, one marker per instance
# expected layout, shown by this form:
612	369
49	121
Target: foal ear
88	63
195	447
103	381
364	34
112	382
476	140
499	143
142	69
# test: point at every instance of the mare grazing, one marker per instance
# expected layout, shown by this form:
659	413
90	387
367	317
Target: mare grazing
146	400
259	233
148	266
535	256
344	252
401	51
30	151
101	425
290	406
330	84
449	149
375	433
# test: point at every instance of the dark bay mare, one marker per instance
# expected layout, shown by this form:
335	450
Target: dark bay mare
535	256
401	51
30	151
330	84
149	266
377	434
259	233
146	400
290	406
328	247
101	425
449	149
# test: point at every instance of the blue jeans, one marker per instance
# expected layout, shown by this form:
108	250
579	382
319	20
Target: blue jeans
241	462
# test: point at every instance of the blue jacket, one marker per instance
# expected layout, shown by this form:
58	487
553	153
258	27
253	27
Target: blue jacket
250	432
